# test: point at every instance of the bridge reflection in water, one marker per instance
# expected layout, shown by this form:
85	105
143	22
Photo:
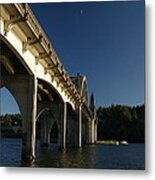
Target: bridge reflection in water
90	156
44	91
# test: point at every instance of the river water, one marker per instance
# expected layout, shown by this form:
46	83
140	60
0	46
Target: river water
90	156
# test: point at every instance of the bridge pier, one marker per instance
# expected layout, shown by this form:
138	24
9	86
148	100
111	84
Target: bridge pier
74	127
95	132
59	115
91	131
46	114
24	90
80	126
62	118
29	122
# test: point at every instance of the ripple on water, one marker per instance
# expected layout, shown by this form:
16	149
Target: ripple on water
91	156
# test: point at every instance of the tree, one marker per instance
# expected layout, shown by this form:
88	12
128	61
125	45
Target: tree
119	122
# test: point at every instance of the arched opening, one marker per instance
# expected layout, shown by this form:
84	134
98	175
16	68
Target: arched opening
11	129
54	133
8	102
46	129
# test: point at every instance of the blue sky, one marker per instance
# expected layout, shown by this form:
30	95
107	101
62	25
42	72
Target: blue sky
102	40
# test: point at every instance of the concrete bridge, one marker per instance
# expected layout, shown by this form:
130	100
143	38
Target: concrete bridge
33	73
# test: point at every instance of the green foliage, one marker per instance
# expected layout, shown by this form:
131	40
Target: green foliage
11	120
121	123
11	125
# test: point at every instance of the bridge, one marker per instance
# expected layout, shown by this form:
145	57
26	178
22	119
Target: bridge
33	73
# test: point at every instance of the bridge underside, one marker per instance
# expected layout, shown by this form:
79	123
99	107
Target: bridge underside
45	103
38	101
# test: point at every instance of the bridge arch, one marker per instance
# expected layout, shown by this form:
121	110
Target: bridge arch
23	67
15	92
51	92
84	89
34	74
45	124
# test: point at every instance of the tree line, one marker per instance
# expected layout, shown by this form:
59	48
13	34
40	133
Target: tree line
11	120
11	126
119	122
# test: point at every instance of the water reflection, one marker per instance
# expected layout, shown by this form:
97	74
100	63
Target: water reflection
91	156
28	163
70	158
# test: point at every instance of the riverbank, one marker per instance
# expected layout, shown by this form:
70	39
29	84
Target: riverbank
112	142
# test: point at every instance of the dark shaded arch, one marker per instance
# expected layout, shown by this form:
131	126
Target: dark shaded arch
46	124
56	97
40	119
54	133
46	107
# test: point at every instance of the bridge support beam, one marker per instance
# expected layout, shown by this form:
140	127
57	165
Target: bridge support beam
80	126
29	122
92	131
44	132
63	125
95	132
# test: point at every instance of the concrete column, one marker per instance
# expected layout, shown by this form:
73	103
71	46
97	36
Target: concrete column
63	123
95	139
64	118
24	90
80	126
75	128
29	121
93	131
